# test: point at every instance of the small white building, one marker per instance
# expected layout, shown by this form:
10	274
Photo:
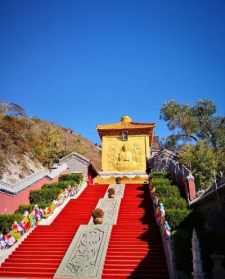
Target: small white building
77	163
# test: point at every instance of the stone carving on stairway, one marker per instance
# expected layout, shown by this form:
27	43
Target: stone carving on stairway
86	254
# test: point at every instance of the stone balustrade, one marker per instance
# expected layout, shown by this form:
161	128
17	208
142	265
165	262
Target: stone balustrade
15	188
165	231
166	161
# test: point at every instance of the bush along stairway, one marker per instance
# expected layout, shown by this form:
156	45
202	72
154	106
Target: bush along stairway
41	253
135	249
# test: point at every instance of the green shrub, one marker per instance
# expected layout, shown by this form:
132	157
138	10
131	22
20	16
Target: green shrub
6	221
167	191
24	207
35	196
46	195
49	192
48	186
176	216
43	205
160	181
60	185
76	177
158	174
64	184
173	202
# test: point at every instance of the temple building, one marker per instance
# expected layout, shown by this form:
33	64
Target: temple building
87	231
126	147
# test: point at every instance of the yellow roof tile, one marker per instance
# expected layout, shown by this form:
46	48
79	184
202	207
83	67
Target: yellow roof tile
125	125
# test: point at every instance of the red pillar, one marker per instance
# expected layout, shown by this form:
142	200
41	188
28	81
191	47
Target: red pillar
191	187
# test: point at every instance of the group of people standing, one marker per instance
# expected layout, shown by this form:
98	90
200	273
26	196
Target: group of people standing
10	236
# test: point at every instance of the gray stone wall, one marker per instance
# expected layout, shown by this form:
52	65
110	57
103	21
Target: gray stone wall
77	165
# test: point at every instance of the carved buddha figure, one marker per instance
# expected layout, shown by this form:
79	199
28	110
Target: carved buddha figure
125	159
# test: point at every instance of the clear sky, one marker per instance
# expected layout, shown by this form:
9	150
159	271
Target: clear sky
82	63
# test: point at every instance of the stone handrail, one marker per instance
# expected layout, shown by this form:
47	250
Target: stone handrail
57	171
13	189
20	185
165	232
196	257
217	185
162	161
166	161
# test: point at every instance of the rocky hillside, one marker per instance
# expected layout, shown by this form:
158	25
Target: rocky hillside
30	144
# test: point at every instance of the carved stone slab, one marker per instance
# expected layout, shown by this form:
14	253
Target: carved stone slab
86	254
111	210
119	190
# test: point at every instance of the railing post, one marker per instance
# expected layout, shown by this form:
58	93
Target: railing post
191	187
196	258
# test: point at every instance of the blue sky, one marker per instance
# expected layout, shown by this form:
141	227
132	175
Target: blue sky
80	63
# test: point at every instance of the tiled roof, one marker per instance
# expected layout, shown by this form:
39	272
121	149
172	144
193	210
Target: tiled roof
125	125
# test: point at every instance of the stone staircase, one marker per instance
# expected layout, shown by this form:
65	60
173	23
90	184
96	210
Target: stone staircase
41	253
128	245
135	249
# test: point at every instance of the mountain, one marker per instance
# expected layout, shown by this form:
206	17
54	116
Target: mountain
31	144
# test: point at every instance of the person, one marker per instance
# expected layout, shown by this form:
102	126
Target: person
167	230
25	221
162	209
14	232
38	213
32	218
3	243
66	193
9	239
158	215
60	198
47	211
53	206
20	228
155	200
69	188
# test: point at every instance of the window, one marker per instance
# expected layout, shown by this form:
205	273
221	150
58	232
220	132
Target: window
124	135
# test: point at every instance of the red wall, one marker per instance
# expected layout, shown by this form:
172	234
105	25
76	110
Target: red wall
9	203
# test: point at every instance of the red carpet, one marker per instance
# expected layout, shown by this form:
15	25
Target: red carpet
41	253
135	248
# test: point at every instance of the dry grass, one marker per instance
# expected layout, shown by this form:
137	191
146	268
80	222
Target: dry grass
40	140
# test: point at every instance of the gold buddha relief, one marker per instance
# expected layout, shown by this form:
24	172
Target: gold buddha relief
125	160
125	150
124	156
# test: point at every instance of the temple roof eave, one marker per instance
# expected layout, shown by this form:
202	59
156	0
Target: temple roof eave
122	126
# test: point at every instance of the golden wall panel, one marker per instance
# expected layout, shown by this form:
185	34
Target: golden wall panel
125	156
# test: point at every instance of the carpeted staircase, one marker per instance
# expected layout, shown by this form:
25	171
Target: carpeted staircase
135	248
41	253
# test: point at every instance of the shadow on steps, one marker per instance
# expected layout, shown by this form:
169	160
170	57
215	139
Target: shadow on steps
153	265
